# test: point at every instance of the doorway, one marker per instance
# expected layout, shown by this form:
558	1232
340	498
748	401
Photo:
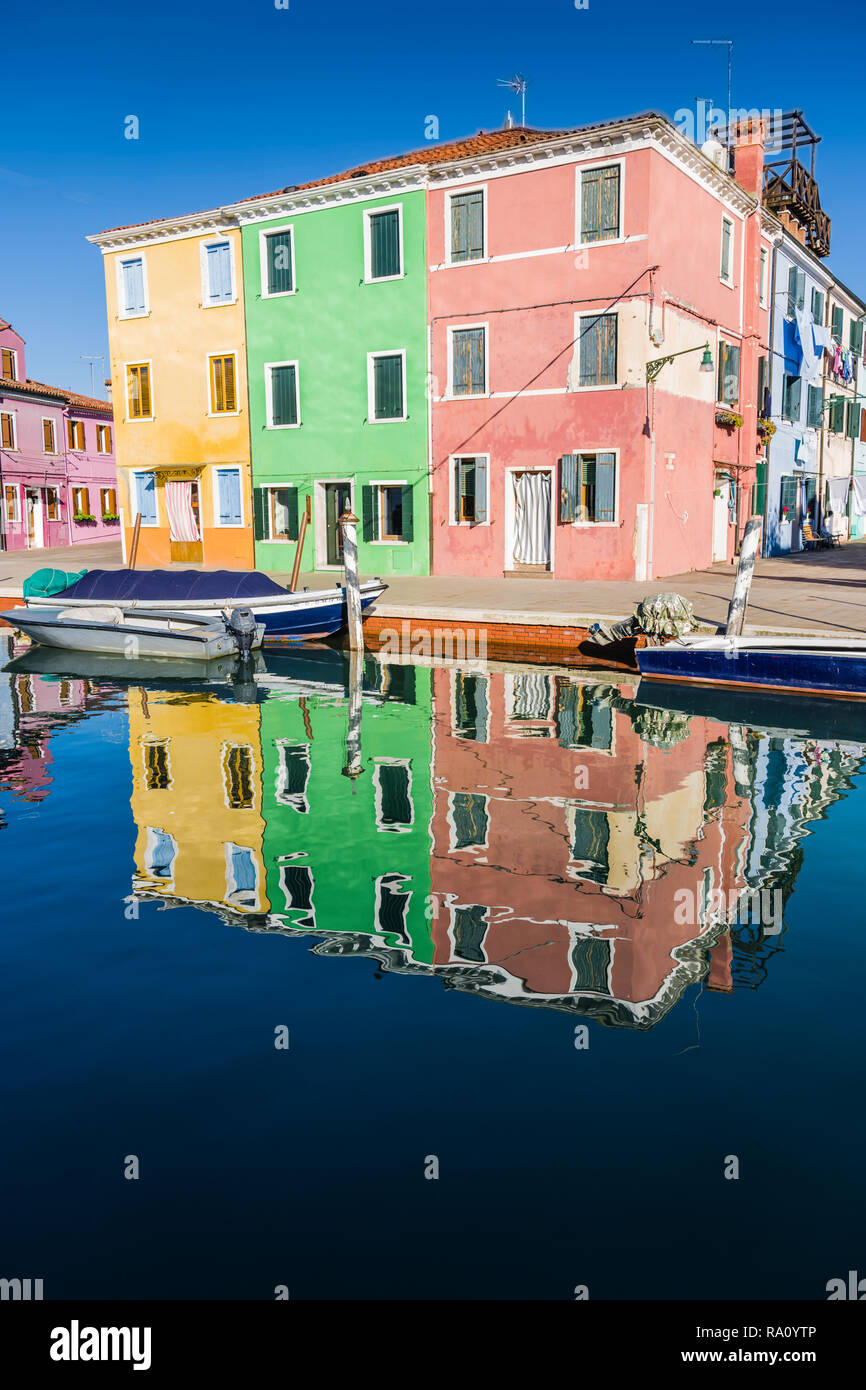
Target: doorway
35	527
338	497
721	513
529	530
184	519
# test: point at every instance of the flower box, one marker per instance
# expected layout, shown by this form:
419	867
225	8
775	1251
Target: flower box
729	419
84	518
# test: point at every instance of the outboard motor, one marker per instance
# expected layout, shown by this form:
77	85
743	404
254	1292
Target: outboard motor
241	623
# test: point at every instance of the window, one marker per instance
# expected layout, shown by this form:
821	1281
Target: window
837	322
218	288
49	437
108	501
241	878
103	439
143	489
131	290
159	855
470	490
590	839
157	768
817	305
275	513
387	510
238	770
591	960
281	393
856	338
386	383
468	361
7	430
8	364
297	884
583	719
12	502
223	398
293	774
726	271
796	290
587	487
75	435
852	420
468	929
392	785
138	391
764	387
278	262
469	820
791	398
599	204
228	510
383	244
788	498
814	407
392	906
467	230
80	502
728	380
470	707
52	504
597	347
763	278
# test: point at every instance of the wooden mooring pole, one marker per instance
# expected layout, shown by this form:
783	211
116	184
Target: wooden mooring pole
743	581
296	567
135	535
354	764
349	523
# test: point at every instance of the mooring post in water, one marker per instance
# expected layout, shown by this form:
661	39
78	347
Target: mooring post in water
743	581
296	567
349	523
135	535
354	766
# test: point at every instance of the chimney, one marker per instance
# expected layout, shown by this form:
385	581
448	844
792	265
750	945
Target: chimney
749	139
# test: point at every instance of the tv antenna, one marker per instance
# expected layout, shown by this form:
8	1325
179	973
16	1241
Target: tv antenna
721	43
98	357
516	84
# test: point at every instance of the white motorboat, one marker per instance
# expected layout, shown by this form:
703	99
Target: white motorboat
118	631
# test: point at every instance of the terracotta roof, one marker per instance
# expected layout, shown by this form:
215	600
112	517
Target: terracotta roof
39	388
89	403
485	142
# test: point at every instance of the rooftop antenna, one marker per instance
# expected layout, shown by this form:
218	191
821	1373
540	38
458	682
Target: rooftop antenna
98	357
516	84
729	44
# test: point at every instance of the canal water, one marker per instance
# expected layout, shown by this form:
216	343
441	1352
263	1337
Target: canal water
529	982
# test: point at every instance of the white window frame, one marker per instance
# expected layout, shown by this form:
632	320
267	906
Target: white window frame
73	420
135	256
15	519
269	393
377	795
101	425
13	416
50	487
14	352
205	288
452	484
151	832
454	193
378	483
227	468
460	328
729	278
291	799
139	419
369	278
764	277
76	491
231	886
270	538
379	898
134	474
476	675
263	260
102	490
453	908
371	391
578	343
617	488
578	203
320	519
224	352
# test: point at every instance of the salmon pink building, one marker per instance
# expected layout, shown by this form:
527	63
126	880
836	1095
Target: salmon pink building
57	473
598	322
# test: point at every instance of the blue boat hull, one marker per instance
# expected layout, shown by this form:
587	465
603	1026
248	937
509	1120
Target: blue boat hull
299	624
806	672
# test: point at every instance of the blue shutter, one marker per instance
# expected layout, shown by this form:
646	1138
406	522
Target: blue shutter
605	486
229	488
132	282
481	489
219	273
567	488
590	205
146	497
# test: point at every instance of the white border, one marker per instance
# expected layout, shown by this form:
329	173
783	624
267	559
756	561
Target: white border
509	562
377	789
579	172
211	413
450	330
138	362
371	392
452	488
387	482
578	343
13	447
269	392
369	278
204	244
455	192
226	468
135	473
320	517
263	260
134	256
728	279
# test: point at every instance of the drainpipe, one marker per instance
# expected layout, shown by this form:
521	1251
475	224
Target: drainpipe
776	243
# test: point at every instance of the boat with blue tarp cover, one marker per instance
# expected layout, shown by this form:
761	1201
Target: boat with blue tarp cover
287	616
829	666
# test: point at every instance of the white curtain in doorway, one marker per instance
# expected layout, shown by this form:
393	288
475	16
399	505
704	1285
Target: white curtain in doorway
181	517
532	518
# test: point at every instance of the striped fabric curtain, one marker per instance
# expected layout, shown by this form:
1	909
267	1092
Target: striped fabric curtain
181	517
532	520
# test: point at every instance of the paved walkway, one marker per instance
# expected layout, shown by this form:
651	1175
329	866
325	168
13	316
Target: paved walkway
815	592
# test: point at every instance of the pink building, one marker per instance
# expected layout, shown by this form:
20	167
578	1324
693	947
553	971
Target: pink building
57	470
560	265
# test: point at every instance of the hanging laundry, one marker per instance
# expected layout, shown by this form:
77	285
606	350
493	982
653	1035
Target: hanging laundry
791	348
858	494
837	360
810	365
806	450
848	366
837	499
823	337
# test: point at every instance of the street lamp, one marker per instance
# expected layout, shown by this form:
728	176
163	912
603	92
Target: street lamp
652	371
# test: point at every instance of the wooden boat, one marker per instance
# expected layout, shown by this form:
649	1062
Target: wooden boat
164	672
771	711
120	632
827	666
287	616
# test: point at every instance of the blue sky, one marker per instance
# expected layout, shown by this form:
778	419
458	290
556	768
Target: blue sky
236	99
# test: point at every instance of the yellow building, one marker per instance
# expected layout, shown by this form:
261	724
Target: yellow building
174	293
197	800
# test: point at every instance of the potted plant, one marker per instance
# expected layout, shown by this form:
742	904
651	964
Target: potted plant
729	419
84	518
766	429
110	516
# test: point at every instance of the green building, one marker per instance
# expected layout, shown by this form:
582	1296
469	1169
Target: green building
335	288
346	855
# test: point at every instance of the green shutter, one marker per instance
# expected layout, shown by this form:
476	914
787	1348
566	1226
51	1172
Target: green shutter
856	337
481	489
837	414
792	291
292	508
853	430
567	488
590	205
469	376
836	322
278	253
408	501
605	484
815	406
284	396
369	517
387	388
259	514
789	495
384	244
793	389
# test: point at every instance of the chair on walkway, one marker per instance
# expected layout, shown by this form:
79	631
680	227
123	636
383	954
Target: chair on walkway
828	537
811	541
